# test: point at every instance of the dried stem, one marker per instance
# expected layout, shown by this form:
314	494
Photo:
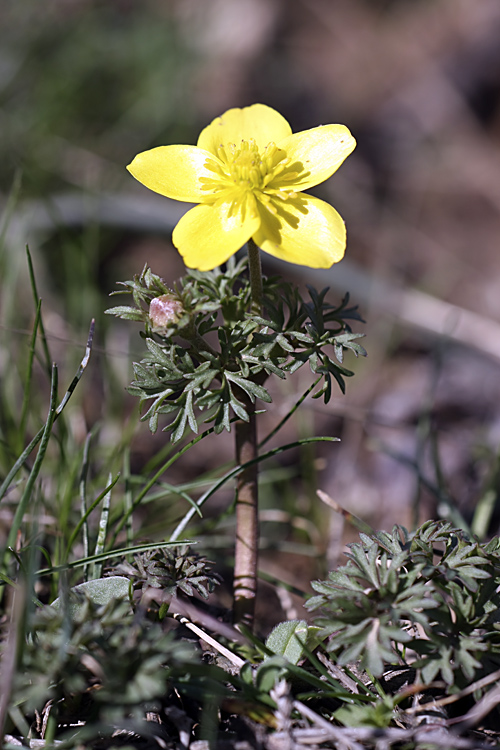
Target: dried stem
247	520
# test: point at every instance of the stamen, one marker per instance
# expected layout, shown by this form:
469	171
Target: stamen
212	166
244	177
254	175
266	200
221	153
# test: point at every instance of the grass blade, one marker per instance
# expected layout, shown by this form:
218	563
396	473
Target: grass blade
29	372
140	497
127	499
83	495
83	519
48	358
110	554
290	413
237	470
24	455
28	490
103	528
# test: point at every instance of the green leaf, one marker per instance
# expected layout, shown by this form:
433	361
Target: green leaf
100	591
126	313
288	640
238	408
193	425
270	672
378	714
178	426
252	389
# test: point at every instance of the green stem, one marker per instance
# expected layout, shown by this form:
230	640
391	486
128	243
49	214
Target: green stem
255	269
197	342
247	496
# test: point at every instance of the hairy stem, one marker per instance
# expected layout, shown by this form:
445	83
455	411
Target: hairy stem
247	495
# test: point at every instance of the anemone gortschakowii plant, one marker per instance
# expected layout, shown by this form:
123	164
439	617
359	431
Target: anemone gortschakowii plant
247	173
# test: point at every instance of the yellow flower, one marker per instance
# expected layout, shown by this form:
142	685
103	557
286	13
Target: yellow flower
248	172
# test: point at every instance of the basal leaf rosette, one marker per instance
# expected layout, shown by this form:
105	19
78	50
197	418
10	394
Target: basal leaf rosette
247	174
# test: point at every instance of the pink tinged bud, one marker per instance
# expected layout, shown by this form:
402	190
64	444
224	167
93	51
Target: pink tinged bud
164	311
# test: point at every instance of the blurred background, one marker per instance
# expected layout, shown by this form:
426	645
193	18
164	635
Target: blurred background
86	84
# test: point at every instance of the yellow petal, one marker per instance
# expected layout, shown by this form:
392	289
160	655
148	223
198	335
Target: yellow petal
173	171
259	122
208	235
317	153
306	231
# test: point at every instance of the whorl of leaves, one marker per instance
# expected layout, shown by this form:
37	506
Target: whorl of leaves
171	569
216	357
435	592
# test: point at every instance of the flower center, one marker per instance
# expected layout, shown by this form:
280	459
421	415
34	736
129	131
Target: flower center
244	164
243	175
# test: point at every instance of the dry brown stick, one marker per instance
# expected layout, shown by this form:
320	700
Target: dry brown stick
353	520
493	677
349	738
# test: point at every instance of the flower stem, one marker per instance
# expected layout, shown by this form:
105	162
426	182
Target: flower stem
255	269
247	535
247	520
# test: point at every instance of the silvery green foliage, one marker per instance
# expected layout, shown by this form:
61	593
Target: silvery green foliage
433	594
99	590
66	655
215	355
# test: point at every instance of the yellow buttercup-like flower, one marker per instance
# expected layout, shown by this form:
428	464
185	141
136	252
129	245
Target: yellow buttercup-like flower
248	172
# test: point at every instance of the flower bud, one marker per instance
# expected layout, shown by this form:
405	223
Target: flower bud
165	311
